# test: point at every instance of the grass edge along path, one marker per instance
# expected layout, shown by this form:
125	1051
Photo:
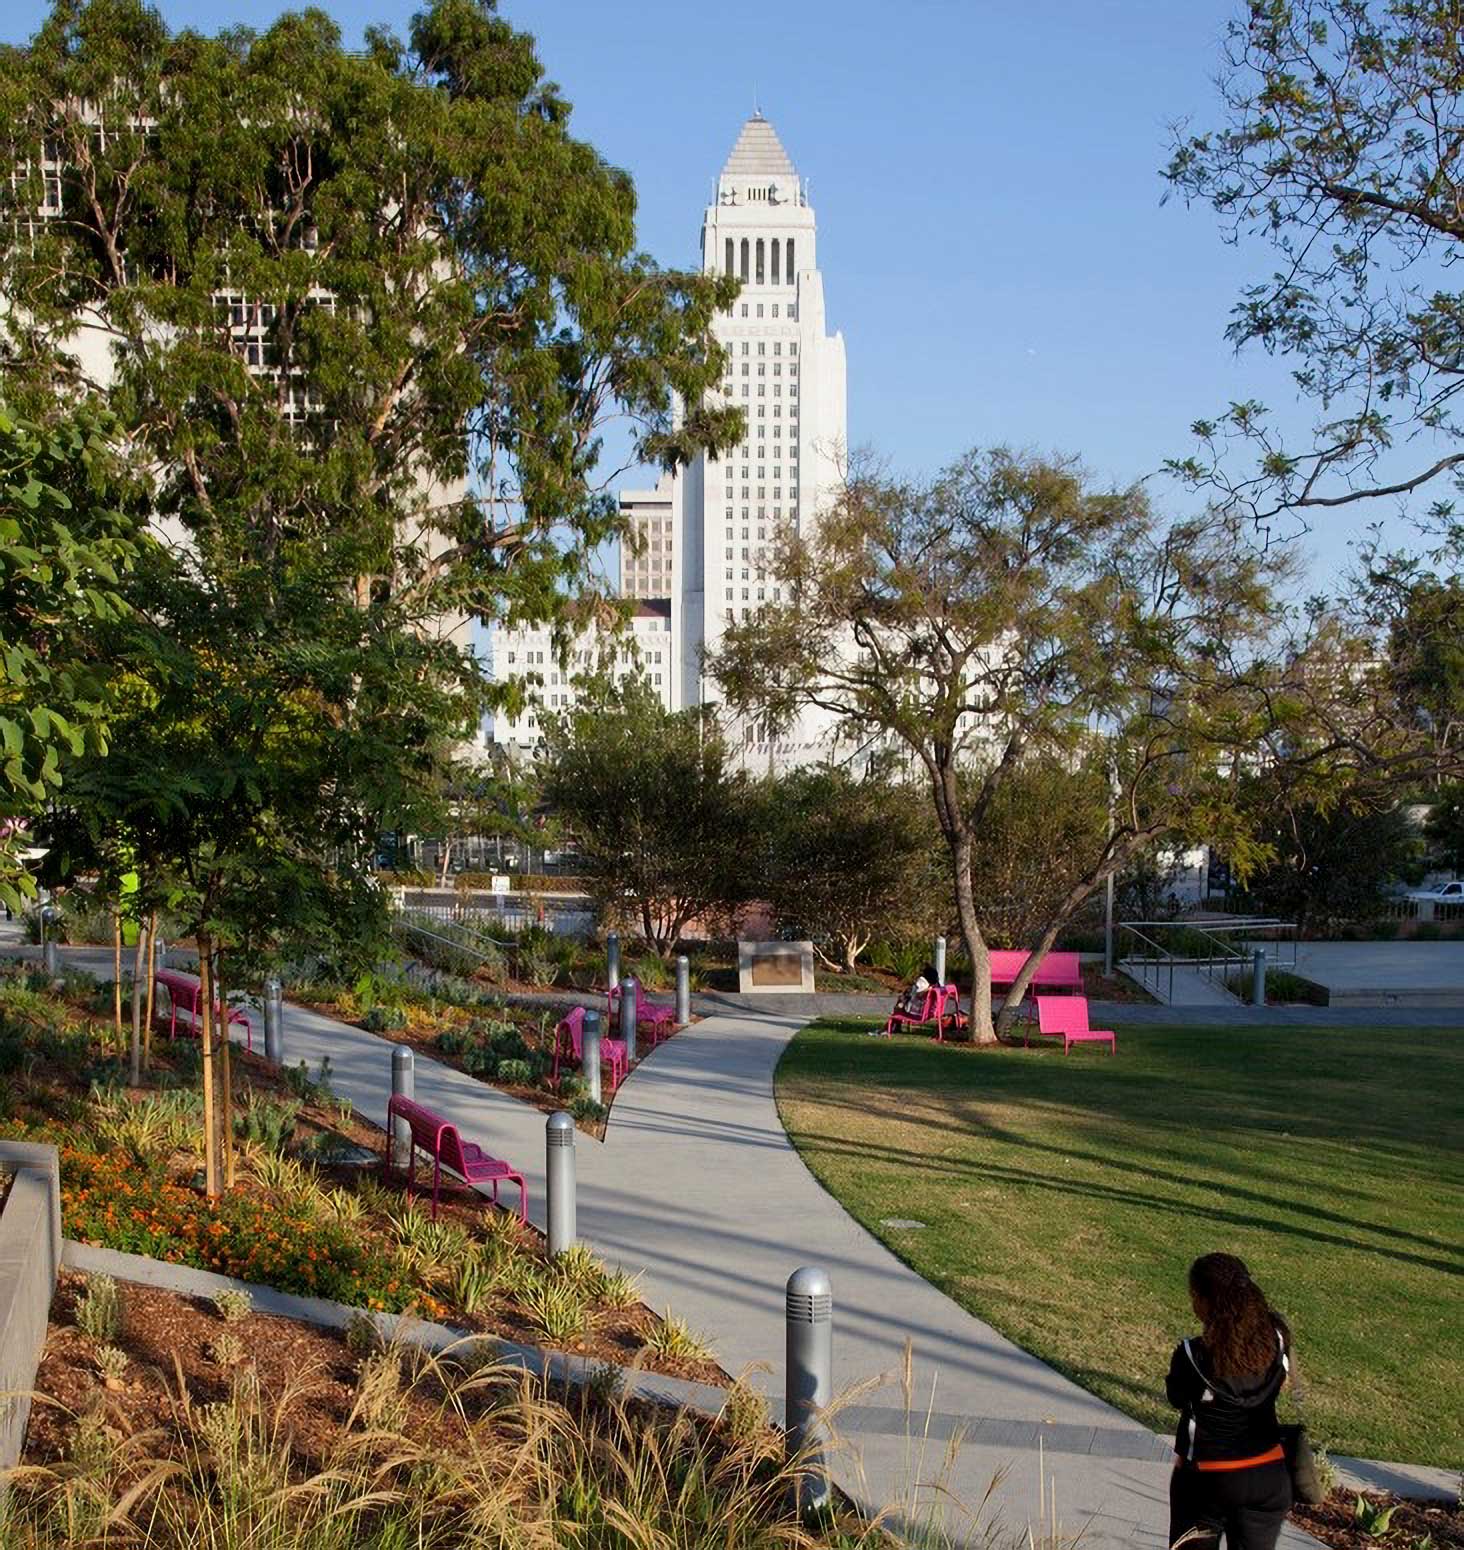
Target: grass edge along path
1063	1198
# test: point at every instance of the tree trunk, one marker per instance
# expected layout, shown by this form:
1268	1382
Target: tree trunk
226	1076
980	1029
135	1068
117	973
152	979
205	1036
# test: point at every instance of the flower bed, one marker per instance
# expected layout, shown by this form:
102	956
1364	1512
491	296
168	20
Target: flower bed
305	1215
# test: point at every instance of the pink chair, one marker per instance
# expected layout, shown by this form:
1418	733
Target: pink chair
569	1036
184	991
653	1019
1066	1018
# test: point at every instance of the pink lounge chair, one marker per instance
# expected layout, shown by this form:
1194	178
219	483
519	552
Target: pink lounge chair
432	1134
1057	971
1066	1018
184	992
569	1036
654	1020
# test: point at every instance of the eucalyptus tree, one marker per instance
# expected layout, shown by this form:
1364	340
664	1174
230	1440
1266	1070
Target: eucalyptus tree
1337	144
362	317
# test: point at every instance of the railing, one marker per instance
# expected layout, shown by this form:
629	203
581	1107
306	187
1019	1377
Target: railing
1217	949
560	919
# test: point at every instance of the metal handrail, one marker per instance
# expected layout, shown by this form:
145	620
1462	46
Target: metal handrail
1163	958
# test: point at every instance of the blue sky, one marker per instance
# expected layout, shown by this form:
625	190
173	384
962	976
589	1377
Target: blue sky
985	178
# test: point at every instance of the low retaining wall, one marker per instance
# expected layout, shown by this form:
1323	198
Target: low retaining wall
30	1255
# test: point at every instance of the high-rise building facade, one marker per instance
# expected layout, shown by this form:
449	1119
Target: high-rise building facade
786	371
705	537
651	518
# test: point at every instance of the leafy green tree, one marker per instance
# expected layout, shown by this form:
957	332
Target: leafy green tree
1337	145
1332	866
847	860
663	822
1444	827
1005	615
364	316
65	542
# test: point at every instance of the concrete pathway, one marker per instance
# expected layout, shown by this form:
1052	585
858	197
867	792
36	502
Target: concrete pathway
698	1187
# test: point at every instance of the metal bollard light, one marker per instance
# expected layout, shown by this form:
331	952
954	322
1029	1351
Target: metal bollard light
1258	977
559	1176
274	1022
809	1380
403	1085
683	990
612	960
940	951
590	1055
49	959
628	992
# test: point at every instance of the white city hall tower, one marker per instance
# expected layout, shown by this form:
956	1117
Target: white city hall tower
787	373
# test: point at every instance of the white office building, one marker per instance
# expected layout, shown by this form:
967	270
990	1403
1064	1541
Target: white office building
645	649
705	537
786	371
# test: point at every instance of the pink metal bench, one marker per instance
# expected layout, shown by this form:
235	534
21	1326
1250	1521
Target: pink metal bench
937	1004
184	991
1057	971
655	1018
432	1134
1066	1018
569	1036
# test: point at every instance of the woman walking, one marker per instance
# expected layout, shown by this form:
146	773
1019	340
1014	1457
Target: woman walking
1230	1472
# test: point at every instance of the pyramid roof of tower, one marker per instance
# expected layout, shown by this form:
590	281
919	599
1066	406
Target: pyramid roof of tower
759	152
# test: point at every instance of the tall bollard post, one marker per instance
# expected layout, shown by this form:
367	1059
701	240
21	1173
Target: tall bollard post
49	960
628	992
683	990
1258	977
612	960
403	1085
559	1172
590	1055
940	950
274	1022
809	1380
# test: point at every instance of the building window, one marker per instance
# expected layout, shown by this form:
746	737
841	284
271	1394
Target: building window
759	262
762	348
792	311
759	309
728	268
775	280
744	309
744	594
744	268
744	342
775	305
792	349
790	264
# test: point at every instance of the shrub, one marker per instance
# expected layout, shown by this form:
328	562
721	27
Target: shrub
673	1340
584	1107
233	1303
99	1313
111	1362
518	1072
267	1122
384	1019
227	1349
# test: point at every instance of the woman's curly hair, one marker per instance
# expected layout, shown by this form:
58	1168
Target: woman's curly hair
1240	1325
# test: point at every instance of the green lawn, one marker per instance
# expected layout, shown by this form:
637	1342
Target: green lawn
1066	1196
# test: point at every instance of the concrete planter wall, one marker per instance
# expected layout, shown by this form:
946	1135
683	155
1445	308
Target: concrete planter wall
30	1255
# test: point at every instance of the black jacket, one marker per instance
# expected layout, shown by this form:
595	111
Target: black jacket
1233	1419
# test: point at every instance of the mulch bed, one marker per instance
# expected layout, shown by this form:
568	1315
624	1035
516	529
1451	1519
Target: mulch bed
1414	1524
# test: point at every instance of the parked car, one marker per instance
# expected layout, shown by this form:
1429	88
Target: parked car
1443	893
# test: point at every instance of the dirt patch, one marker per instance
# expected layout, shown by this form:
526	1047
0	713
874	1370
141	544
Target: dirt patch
1413	1525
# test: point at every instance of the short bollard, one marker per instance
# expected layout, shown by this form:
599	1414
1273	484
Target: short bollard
590	1055
683	990
274	1022
559	1174
403	1085
940	974
1258	977
49	960
809	1384
628	992
612	960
